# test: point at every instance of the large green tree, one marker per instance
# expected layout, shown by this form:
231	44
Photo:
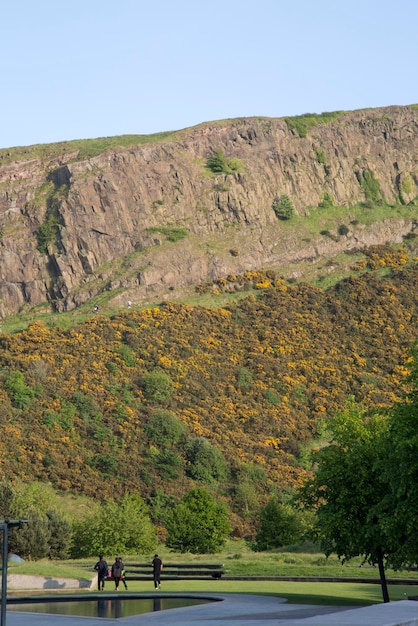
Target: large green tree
348	490
400	468
119	526
198	523
280	525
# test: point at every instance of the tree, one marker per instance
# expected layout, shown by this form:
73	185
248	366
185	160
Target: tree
119	526
280	525
400	468
198	523
157	386
32	540
348	490
206	463
60	531
163	428
47	533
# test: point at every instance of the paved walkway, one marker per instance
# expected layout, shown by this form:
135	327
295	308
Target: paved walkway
237	610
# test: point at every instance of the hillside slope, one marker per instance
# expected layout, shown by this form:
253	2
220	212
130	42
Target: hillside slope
147	220
157	400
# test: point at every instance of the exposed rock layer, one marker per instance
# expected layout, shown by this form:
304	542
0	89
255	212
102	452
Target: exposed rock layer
112	209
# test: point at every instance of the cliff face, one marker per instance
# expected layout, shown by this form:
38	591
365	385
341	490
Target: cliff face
112	216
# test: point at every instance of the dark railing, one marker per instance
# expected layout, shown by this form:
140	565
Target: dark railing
175	571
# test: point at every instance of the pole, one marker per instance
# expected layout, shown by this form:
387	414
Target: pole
5	528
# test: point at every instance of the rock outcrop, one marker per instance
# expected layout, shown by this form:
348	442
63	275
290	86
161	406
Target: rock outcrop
147	221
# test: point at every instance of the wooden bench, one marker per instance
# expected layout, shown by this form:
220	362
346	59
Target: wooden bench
175	571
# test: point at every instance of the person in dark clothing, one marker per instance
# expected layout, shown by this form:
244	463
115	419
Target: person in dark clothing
117	569
102	569
157	566
123	579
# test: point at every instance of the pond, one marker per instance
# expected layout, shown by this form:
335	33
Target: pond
108	607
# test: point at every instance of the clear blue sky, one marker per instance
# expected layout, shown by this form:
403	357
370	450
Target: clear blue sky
93	68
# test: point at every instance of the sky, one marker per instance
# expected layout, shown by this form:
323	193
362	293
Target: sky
98	68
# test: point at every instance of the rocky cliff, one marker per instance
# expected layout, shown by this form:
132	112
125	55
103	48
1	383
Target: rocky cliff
149	220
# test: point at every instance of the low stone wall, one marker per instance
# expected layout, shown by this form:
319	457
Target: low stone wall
21	581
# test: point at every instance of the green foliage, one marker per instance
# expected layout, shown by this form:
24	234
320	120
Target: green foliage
60	532
327	201
121	526
371	187
31	541
21	395
198	524
283	207
168	464
302	123
244	378
48	533
33	495
47	233
127	355
206	463
64	418
320	156
407	188
157	386
87	429
163	428
171	233
348	487
217	163
280	525
246	499
399	464
272	397
6	499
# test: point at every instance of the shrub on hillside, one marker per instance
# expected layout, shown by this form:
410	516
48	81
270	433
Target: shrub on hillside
283	207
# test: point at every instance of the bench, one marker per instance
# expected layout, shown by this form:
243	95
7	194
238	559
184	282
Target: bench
175	571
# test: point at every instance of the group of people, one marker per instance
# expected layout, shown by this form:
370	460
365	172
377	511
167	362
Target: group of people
117	572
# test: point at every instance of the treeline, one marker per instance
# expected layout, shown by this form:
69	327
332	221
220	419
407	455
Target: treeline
41	528
160	401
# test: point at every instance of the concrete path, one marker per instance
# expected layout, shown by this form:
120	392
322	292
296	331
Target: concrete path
237	610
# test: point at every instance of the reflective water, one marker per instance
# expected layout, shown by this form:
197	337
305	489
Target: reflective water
106	607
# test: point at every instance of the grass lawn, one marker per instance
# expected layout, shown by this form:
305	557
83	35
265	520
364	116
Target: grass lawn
251	564
325	594
341	594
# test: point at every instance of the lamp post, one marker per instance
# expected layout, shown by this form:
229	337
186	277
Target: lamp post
4	526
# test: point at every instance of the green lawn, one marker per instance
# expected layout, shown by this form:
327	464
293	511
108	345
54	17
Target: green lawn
298	593
239	560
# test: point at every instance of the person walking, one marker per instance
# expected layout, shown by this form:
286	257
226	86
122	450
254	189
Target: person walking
102	570
157	566
117	569
123	578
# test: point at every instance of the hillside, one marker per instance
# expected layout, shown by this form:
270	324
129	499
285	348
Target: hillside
159	399
147	219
